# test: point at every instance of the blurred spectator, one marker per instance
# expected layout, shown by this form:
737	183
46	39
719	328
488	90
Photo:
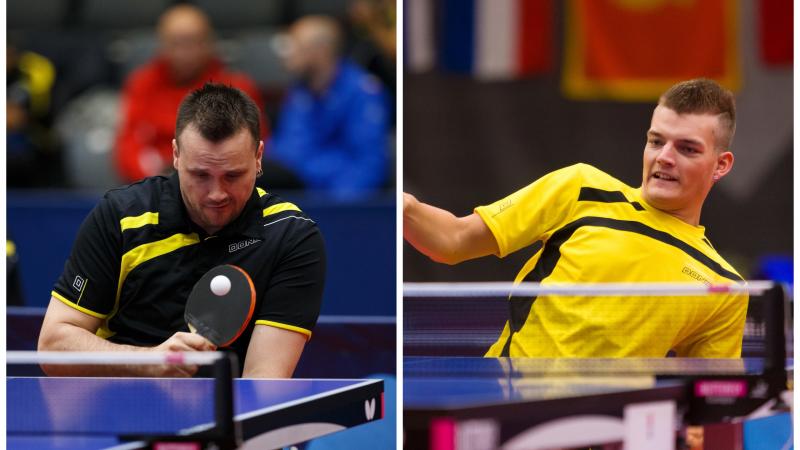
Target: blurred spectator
373	40
332	127
151	95
29	142
14	287
376	18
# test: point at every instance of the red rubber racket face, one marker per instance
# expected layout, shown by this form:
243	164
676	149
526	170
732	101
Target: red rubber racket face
221	318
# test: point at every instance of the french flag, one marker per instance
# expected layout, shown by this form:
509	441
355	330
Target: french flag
490	39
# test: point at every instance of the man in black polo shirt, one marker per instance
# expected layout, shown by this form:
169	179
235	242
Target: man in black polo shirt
142	248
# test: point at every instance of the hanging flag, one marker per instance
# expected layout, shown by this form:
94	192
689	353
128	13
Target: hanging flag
636	49
775	30
495	39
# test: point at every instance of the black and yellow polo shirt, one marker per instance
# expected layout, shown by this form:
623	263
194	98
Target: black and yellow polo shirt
597	229
137	256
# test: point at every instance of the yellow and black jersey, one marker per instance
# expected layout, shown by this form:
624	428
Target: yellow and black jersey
596	229
137	256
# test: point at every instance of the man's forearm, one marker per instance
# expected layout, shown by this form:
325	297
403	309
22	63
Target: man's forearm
273	352
66	337
431	230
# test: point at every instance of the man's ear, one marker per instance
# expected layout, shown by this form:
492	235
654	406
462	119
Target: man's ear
259	155
724	165
175	154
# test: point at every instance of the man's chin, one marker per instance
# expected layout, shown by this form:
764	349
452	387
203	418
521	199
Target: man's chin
216	221
661	199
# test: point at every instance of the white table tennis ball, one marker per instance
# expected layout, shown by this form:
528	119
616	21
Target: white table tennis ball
220	285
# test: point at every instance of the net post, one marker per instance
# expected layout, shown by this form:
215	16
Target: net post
775	338
227	430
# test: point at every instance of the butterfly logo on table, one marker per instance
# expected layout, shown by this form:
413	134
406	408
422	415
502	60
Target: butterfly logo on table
369	408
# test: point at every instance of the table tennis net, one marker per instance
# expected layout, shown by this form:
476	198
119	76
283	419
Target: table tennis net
468	326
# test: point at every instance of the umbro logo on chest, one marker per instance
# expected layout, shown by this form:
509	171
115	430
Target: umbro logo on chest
242	244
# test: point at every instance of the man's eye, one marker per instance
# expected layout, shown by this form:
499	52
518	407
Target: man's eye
654	141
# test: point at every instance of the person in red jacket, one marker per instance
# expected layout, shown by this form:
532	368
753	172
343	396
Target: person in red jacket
151	95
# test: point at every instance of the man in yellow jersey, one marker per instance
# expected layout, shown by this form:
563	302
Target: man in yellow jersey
597	229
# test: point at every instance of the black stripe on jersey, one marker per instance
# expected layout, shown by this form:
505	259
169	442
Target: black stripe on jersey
589	194
520	307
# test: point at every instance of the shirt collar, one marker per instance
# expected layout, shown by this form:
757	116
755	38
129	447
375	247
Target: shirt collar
694	230
173	216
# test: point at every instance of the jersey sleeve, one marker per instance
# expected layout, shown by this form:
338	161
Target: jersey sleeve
90	277
294	296
533	212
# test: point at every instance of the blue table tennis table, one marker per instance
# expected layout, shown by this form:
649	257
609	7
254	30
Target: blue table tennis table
455	400
97	413
479	403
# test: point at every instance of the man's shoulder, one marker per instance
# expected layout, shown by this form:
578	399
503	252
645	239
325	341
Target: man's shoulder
711	252
276	212
590	176
285	227
139	197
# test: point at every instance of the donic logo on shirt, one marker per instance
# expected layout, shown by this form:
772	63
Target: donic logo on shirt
242	244
696	275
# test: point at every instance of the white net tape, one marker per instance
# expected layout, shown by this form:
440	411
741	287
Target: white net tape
528	289
112	358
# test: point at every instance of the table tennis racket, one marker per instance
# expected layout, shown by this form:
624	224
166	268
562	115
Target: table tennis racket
221	317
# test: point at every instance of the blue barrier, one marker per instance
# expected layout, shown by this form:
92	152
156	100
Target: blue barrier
360	239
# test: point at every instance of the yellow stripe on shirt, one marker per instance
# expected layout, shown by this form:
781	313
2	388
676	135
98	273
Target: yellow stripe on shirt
280	207
285	327
65	301
148	218
142	254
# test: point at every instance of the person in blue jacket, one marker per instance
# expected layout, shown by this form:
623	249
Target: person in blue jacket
332	128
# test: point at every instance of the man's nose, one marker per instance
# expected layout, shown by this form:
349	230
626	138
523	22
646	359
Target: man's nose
667	155
217	192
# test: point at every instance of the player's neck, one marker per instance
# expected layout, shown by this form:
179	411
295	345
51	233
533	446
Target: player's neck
690	216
